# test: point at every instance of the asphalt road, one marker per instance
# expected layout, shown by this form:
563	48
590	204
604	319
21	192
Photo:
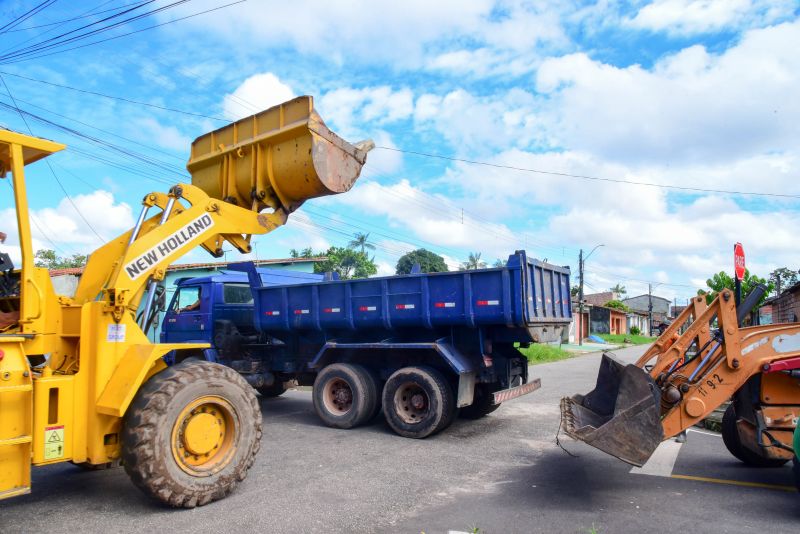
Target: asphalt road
501	474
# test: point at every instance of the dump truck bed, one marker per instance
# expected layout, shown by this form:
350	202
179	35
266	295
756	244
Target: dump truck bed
526	295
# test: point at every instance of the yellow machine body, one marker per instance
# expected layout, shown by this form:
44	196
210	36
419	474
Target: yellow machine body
70	366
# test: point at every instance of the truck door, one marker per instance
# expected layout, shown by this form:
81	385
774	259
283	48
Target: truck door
187	316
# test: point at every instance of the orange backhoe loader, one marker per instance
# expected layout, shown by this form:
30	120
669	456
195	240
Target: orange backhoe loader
701	361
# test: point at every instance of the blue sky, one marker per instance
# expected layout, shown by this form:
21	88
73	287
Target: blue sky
682	93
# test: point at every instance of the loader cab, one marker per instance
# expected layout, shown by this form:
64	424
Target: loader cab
23	288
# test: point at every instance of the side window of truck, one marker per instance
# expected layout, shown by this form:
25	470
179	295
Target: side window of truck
188	299
237	294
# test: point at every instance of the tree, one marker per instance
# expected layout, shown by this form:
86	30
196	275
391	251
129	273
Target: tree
619	289
617	305
305	253
499	263
473	262
723	280
428	262
361	241
347	262
574	291
783	278
48	259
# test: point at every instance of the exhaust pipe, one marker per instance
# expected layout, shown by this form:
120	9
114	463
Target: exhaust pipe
620	416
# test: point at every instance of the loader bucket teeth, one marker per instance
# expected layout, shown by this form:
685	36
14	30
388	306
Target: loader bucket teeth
620	416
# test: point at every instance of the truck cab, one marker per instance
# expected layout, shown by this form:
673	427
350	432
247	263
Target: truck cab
198	302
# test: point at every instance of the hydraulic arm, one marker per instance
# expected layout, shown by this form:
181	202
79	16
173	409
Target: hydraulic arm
79	379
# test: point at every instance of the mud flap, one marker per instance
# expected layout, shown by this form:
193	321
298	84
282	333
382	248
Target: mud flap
621	416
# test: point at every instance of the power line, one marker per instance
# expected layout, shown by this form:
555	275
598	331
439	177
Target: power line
586	177
25	16
112	97
28	58
53	172
53	42
89	13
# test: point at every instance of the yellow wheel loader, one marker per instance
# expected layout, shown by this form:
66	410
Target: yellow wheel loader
79	380
702	360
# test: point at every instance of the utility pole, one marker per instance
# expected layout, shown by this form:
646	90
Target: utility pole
650	307
580	298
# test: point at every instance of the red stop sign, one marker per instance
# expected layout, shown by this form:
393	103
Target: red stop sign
738	261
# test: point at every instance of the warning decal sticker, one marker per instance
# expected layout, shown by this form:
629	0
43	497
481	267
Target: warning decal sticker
53	442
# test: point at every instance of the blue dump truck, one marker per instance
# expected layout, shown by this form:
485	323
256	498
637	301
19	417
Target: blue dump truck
423	347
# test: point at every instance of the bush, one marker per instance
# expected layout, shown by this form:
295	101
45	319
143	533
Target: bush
635	330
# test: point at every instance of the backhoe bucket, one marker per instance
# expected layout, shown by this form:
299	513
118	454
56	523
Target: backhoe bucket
276	159
621	416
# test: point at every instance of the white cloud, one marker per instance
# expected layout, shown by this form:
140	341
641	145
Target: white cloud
63	226
692	106
150	130
687	17
432	220
255	94
349	109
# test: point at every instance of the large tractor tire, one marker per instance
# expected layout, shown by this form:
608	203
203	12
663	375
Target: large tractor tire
191	434
418	402
275	390
481	403
345	395
733	442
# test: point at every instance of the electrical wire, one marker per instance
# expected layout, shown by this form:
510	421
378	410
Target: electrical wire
586	177
25	16
53	172
28	58
112	97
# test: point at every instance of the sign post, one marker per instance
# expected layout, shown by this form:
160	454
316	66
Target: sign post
738	270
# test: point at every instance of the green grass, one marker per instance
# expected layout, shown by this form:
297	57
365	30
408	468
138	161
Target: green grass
541	353
627	338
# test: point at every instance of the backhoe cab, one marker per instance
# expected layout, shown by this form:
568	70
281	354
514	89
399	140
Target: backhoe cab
79	379
702	360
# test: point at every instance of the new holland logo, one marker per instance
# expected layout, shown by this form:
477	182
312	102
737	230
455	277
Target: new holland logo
155	255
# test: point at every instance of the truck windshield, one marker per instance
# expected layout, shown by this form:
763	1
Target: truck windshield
237	294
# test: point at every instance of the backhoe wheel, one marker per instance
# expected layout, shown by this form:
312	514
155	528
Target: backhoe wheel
418	402
191	434
275	390
345	395
481	403
796	471
733	442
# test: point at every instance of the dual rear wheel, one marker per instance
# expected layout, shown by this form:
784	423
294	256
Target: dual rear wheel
416	401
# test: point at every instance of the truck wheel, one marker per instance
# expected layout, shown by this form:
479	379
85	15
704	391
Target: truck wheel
733	442
191	434
275	390
345	395
418	401
481	403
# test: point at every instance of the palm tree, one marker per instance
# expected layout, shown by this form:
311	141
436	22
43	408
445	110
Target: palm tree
473	262
361	241
619	289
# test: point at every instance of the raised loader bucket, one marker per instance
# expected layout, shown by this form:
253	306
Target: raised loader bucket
276	159
620	416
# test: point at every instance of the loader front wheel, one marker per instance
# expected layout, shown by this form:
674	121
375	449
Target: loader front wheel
733	442
191	434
